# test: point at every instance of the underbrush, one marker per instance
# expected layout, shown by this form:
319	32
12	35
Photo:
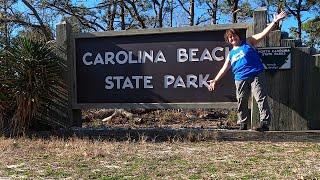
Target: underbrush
174	118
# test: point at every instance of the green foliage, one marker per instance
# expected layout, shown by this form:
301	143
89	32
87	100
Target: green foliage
246	11
243	12
312	28
32	33
294	32
32	89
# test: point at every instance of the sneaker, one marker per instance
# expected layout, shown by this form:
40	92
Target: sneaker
243	126
263	127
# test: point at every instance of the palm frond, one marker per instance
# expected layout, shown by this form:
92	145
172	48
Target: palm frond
32	74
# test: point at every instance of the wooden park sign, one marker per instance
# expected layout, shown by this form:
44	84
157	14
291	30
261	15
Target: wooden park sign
162	68
169	68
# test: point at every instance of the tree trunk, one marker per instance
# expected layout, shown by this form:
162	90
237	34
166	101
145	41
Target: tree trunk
6	28
234	11
214	11
171	13
299	25
299	19
191	13
109	23
297	14
160	16
122	15
111	14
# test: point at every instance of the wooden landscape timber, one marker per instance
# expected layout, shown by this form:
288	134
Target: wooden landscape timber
183	134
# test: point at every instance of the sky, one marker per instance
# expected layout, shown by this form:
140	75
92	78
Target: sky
286	24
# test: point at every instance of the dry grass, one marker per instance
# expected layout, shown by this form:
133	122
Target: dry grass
76	158
175	118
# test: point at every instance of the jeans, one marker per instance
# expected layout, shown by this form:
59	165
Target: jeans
257	86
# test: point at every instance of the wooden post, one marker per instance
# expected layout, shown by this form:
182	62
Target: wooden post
314	98
65	42
274	38
260	22
298	89
272	80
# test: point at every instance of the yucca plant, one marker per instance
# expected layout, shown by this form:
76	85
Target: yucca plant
33	85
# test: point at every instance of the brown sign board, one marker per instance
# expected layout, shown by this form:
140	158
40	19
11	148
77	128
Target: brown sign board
147	68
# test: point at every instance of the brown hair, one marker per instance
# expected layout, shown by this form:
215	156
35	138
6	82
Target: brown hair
230	32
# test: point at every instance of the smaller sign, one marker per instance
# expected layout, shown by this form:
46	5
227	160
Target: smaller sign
276	57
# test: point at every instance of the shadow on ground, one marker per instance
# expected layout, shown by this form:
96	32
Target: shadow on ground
181	134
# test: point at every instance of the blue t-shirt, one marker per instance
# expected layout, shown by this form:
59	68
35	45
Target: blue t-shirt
245	61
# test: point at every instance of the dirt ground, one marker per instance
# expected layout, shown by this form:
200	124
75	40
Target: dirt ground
171	118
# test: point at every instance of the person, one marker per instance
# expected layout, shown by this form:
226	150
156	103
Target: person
248	70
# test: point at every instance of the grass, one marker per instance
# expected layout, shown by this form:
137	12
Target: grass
87	159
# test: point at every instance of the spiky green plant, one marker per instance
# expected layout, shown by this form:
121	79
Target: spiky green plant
32	79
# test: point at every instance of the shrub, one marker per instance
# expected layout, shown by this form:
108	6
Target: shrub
33	92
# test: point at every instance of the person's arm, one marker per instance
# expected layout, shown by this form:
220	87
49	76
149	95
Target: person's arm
226	66
256	38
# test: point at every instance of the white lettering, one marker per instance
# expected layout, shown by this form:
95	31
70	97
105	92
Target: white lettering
160	57
182	55
139	56
124	54
203	80
108	57
214	54
145	55
193	53
118	78
191	80
179	83
137	78
127	84
147	82
84	59
130	57
132	61
237	56
98	59
109	82
123	82
226	52
168	80
206	55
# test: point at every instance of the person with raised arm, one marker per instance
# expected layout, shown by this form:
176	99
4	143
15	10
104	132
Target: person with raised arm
248	70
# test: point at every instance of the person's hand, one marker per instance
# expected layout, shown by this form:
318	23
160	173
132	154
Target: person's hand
279	16
212	85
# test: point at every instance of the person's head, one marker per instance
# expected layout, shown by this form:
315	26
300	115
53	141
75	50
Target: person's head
232	36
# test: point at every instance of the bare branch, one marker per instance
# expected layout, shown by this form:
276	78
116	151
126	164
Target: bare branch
42	27
135	15
80	17
184	8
